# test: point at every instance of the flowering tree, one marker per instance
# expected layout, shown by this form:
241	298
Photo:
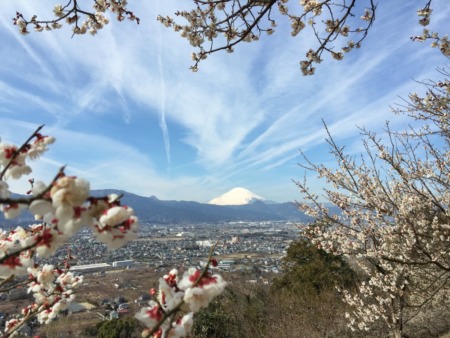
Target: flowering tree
61	208
216	25
395	219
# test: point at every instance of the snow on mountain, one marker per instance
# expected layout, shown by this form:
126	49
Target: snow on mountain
236	196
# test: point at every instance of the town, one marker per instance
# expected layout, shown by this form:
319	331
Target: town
237	246
251	250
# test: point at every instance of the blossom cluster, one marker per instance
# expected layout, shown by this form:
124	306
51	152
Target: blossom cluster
83	21
12	158
220	25
60	209
394	219
440	42
193	291
215	25
52	289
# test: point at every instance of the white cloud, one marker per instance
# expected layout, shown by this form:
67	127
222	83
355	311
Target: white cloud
242	114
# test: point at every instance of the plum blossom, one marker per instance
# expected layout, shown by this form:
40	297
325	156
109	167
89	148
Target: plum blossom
47	239
41	207
183	326
67	195
40	145
195	289
150	315
200	289
69	191
4	192
20	237
12	159
7	152
114	216
45	276
116	226
12	210
17	170
12	324
58	10
14	264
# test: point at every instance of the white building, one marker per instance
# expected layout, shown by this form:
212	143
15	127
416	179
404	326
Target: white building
123	264
91	267
204	243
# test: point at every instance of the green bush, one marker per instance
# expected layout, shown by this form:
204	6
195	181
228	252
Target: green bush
118	328
311	270
238	312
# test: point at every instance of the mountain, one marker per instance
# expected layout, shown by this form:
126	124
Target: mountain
236	196
153	210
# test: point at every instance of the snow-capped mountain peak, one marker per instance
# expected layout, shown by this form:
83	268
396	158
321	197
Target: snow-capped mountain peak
236	196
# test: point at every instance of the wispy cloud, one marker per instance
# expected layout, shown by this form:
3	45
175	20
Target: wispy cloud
241	118
162	120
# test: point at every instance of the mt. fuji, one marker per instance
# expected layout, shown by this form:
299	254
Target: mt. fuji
236	196
236	205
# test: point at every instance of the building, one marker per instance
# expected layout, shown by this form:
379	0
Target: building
90	268
123	264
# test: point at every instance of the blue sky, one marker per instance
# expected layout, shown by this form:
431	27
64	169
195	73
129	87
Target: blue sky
129	114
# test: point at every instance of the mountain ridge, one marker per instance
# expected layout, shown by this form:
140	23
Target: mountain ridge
153	210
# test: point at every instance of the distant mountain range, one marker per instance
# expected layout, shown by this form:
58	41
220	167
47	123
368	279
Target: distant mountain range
153	210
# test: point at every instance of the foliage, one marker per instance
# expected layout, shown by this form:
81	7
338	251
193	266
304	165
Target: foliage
312	270
395	202
215	321
67	327
117	328
215	25
257	310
